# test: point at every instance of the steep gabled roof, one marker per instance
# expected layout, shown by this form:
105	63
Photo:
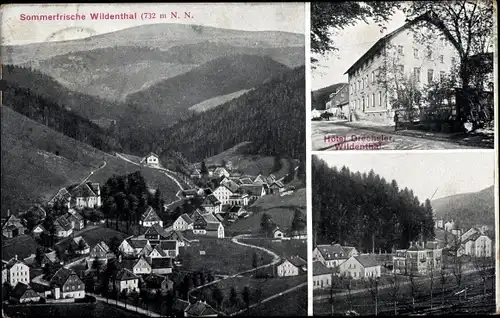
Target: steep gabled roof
159	250
82	191
137	243
246	181
158	263
61	276
125	274
63	222
332	252
212	226
23	291
150	215
297	261
367	260
320	269
167	245
252	189
210	200
186	218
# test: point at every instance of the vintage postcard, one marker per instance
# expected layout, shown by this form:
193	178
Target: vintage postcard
153	160
402	75
404	233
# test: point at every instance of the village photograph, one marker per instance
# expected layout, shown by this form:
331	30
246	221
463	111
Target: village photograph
403	233
154	168
402	75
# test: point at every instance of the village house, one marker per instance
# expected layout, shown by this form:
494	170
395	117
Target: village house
178	237
360	266
12	227
211	204
79	245
207	224
100	253
38	230
333	255
149	217
126	248
17	272
259	180
434	254
126	281
477	245
239	199
146	250
224	191
155	232
155	282
5	272
254	191
338	101
161	266
138	266
469	233
277	186
322	275
170	248
23	293
245	181
183	223
151	159
276	233
236	211
200	309
62	197
449	226
220	172
373	77
140	246
195	174
76	220
416	258
439	224
188	194
86	195
65	283
156	252
399	262
63	227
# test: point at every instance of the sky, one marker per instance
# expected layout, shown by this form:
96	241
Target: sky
287	17
352	42
424	172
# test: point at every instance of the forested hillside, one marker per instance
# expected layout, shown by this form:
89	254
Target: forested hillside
365	210
46	111
468	209
272	117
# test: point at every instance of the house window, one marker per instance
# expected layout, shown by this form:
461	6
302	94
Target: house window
373	76
429	54
430	76
373	100
416	74
441	75
441	58
400	50
415	53
379	98
366	101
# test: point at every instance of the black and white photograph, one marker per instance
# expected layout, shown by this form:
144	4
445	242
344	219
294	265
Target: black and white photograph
402	75
403	233
153	160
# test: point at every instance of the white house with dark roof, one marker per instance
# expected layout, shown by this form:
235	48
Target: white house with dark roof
23	293
221	172
361	266
242	199
291	266
161	266
207	224
76	220
150	217
260	179
156	252
322	275
477	245
254	191
126	280
138	266
16	272
183	223
224	191
86	195
277	186
126	248
151	159
62	197
170	248
199	309
211	204
80	246
178	237
63	227
65	283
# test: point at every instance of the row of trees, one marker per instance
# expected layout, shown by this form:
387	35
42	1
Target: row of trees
365	210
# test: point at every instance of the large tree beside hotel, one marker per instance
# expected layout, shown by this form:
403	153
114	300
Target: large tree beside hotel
329	17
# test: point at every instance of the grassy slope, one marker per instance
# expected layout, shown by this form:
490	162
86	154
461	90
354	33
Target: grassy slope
216	101
22	246
32	172
291	304
282	248
278	207
220	256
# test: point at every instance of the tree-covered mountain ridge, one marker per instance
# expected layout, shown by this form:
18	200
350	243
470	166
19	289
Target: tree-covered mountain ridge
469	209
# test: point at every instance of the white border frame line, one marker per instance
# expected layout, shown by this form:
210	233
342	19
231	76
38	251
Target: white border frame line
497	203
307	31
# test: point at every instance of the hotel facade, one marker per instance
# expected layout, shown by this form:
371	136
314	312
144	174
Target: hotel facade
374	77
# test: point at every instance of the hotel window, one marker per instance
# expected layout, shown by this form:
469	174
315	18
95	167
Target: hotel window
415	53
441	58
373	76
366	101
416	74
400	50
429	54
379	98
430	76
373	99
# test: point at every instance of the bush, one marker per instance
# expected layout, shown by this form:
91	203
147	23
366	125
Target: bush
42	300
316	119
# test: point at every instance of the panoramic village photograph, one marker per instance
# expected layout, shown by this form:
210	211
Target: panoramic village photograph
403	233
154	169
402	75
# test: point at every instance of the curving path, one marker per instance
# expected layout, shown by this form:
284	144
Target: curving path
92	172
276	260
